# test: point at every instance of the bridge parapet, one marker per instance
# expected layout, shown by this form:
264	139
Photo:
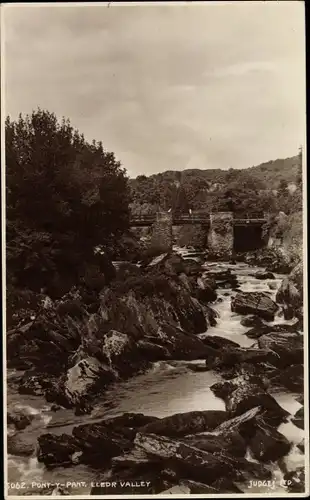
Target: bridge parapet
196	218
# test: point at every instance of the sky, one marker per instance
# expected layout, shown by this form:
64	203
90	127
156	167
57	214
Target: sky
164	86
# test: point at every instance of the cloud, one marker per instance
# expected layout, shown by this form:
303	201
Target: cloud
165	86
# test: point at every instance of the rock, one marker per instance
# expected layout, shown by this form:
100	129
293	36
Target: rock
206	289
223	279
134	459
258	331
126	270
181	424
264	275
100	443
252	321
287	348
197	464
272	258
192	267
254	303
20	444
272	285
180	344
296	480
301	446
269	445
292	378
146	304
197	368
298	419
249	470
231	357
86	378
109	438
31	384
243	393
196	488
225	485
229	443
242	424
19	417
211	315
300	399
290	293
55	407
170	264
54	450
217	342
152	351
129	420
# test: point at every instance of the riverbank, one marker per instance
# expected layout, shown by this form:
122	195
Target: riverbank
194	384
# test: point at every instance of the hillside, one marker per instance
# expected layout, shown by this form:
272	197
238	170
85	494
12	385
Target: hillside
271	186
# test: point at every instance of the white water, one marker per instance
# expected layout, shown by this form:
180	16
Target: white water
168	388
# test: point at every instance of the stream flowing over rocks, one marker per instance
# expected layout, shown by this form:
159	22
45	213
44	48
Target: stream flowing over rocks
180	376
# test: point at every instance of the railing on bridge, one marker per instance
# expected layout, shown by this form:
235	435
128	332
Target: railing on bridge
198	218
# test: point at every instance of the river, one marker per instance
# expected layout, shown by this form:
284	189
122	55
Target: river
167	388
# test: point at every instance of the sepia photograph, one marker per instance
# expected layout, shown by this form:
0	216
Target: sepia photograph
154	249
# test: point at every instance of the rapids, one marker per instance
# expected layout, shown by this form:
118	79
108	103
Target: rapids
167	388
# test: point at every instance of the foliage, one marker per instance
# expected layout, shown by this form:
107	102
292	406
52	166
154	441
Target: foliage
63	196
265	188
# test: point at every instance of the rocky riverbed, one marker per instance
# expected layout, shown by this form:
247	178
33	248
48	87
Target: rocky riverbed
182	375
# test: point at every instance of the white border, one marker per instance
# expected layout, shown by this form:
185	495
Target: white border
3	241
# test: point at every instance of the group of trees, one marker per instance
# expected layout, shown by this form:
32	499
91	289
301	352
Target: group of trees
272	187
63	197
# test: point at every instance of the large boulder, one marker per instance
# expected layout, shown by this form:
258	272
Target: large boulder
230	357
181	424
153	351
55	451
180	344
246	392
143	304
287	348
99	443
257	303
194	463
84	379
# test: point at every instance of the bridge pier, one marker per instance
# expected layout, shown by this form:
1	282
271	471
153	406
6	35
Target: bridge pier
162	232
221	234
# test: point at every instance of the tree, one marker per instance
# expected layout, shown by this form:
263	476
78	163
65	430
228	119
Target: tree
64	196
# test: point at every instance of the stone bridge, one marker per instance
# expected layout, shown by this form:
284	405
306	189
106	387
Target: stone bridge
225	232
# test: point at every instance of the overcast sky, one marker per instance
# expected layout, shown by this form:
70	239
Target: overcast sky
166	87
